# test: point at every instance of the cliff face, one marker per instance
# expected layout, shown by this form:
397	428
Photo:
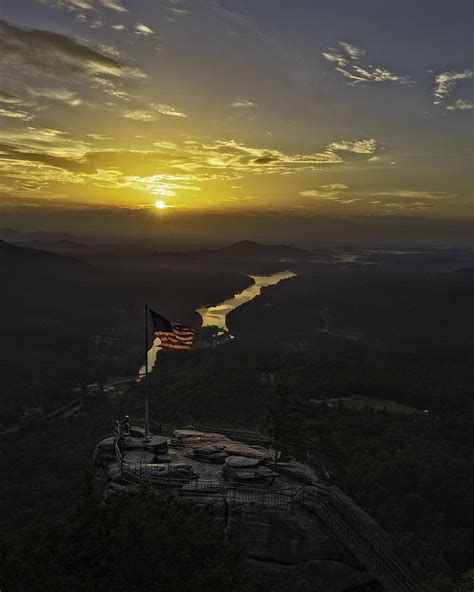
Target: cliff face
296	545
256	502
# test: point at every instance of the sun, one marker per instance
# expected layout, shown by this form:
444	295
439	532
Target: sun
160	204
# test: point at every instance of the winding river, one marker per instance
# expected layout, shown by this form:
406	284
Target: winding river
216	316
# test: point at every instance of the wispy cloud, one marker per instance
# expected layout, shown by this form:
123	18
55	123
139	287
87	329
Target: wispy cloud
55	55
6	97
416	194
176	11
243	104
87	5
368	146
446	82
461	105
43	158
346	60
114	5
153	113
144	30
336	192
61	95
15	114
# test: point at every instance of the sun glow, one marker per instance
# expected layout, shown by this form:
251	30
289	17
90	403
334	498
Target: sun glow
160	204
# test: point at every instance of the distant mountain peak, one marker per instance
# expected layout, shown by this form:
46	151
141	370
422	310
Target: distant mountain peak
248	247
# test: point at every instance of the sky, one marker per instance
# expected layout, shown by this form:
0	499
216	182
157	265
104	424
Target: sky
231	114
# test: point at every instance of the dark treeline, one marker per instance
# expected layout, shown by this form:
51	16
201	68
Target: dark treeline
57	333
334	333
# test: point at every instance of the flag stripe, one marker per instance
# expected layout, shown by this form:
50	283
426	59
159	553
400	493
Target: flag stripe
173	336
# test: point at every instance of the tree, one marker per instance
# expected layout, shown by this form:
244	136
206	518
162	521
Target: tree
292	436
136	542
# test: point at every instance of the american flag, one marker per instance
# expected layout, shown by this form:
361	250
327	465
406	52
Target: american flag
173	336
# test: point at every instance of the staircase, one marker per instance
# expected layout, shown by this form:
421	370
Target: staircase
365	541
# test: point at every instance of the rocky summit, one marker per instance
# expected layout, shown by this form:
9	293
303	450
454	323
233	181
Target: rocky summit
257	500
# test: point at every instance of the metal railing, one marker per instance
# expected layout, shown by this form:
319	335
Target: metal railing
162	479
366	544
244	436
366	541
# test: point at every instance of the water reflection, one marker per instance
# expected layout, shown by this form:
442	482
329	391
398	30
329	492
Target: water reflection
215	316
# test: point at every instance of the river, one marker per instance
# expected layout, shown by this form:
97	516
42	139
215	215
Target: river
216	316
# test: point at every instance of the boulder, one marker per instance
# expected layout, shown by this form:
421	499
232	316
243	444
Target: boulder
246	475
242	462
108	445
138	455
157	444
136	432
208	453
114	474
239	449
104	451
129	443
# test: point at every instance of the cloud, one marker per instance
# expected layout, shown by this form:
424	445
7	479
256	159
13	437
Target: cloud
354	52
153	113
409	199
113	5
92	5
45	53
176	11
141	29
69	4
335	187
346	61
41	159
140	115
415	194
10	99
357	146
243	104
60	95
446	82
461	105
15	114
331	192
168	110
99	137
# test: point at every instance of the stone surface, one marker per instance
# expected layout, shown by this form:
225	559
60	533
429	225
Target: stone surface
136	432
298	471
281	542
209	453
275	534
256	474
138	455
162	458
241	462
129	443
332	576
158	444
108	444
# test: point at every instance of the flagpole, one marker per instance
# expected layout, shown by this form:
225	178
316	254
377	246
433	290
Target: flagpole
147	411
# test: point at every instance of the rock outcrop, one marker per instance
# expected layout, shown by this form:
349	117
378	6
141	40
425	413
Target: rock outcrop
256	499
